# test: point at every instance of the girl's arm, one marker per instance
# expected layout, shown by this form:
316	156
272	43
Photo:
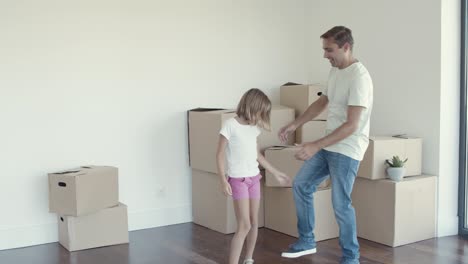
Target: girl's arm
220	158
280	176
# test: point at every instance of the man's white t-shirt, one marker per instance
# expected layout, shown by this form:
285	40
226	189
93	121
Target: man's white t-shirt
241	150
351	86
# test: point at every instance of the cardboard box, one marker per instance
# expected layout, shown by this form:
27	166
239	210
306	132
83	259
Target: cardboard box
204	126
280	116
106	227
300	96
382	148
396	213
211	208
280	213
84	190
311	131
282	158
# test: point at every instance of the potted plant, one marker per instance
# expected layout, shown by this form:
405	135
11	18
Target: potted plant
396	169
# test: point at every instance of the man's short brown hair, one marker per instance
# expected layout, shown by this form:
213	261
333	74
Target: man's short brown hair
340	35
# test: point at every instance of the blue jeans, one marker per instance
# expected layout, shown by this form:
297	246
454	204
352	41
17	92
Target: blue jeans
342	171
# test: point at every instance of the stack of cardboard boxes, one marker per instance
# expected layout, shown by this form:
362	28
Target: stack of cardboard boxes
86	201
389	212
211	208
280	210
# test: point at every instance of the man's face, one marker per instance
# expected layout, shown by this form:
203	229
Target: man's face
337	56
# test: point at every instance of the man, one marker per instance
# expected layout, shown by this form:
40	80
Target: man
349	97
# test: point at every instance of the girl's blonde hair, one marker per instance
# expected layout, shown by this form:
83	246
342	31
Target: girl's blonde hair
255	108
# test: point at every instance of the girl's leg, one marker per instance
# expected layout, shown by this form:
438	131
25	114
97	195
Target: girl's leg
252	236
241	208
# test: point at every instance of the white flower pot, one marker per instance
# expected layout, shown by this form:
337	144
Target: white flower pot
396	173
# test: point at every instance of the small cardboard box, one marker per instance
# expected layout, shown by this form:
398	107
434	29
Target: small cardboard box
211	208
301	96
83	190
382	148
311	131
280	213
396	213
106	227
204	125
282	158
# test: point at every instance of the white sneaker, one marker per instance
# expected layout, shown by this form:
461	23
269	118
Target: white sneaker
248	261
293	253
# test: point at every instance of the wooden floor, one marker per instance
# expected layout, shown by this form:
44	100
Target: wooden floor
190	243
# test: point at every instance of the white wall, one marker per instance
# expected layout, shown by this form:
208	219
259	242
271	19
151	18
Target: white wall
416	85
109	82
449	117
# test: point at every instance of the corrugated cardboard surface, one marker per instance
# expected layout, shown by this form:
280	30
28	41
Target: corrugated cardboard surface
106	227
282	158
280	116
204	127
396	213
280	213
83	190
311	131
299	97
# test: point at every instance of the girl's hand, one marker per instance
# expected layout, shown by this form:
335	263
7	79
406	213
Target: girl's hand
226	187
284	132
282	178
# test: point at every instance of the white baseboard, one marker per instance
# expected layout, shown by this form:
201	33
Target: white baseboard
25	236
159	217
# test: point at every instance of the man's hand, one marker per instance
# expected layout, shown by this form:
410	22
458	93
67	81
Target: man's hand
285	131
306	151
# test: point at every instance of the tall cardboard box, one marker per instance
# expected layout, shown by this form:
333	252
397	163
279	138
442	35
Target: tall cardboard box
106	227
280	213
83	190
382	148
311	131
396	213
282	157
211	208
300	96
204	126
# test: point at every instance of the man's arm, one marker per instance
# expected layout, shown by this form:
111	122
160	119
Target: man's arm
312	111
345	130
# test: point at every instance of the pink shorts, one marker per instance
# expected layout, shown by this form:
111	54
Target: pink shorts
245	188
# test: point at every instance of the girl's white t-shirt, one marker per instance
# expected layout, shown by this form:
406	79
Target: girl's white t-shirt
241	150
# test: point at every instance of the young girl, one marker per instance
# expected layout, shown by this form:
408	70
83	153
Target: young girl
238	142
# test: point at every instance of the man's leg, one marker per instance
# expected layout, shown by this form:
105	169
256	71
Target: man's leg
343	171
311	174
